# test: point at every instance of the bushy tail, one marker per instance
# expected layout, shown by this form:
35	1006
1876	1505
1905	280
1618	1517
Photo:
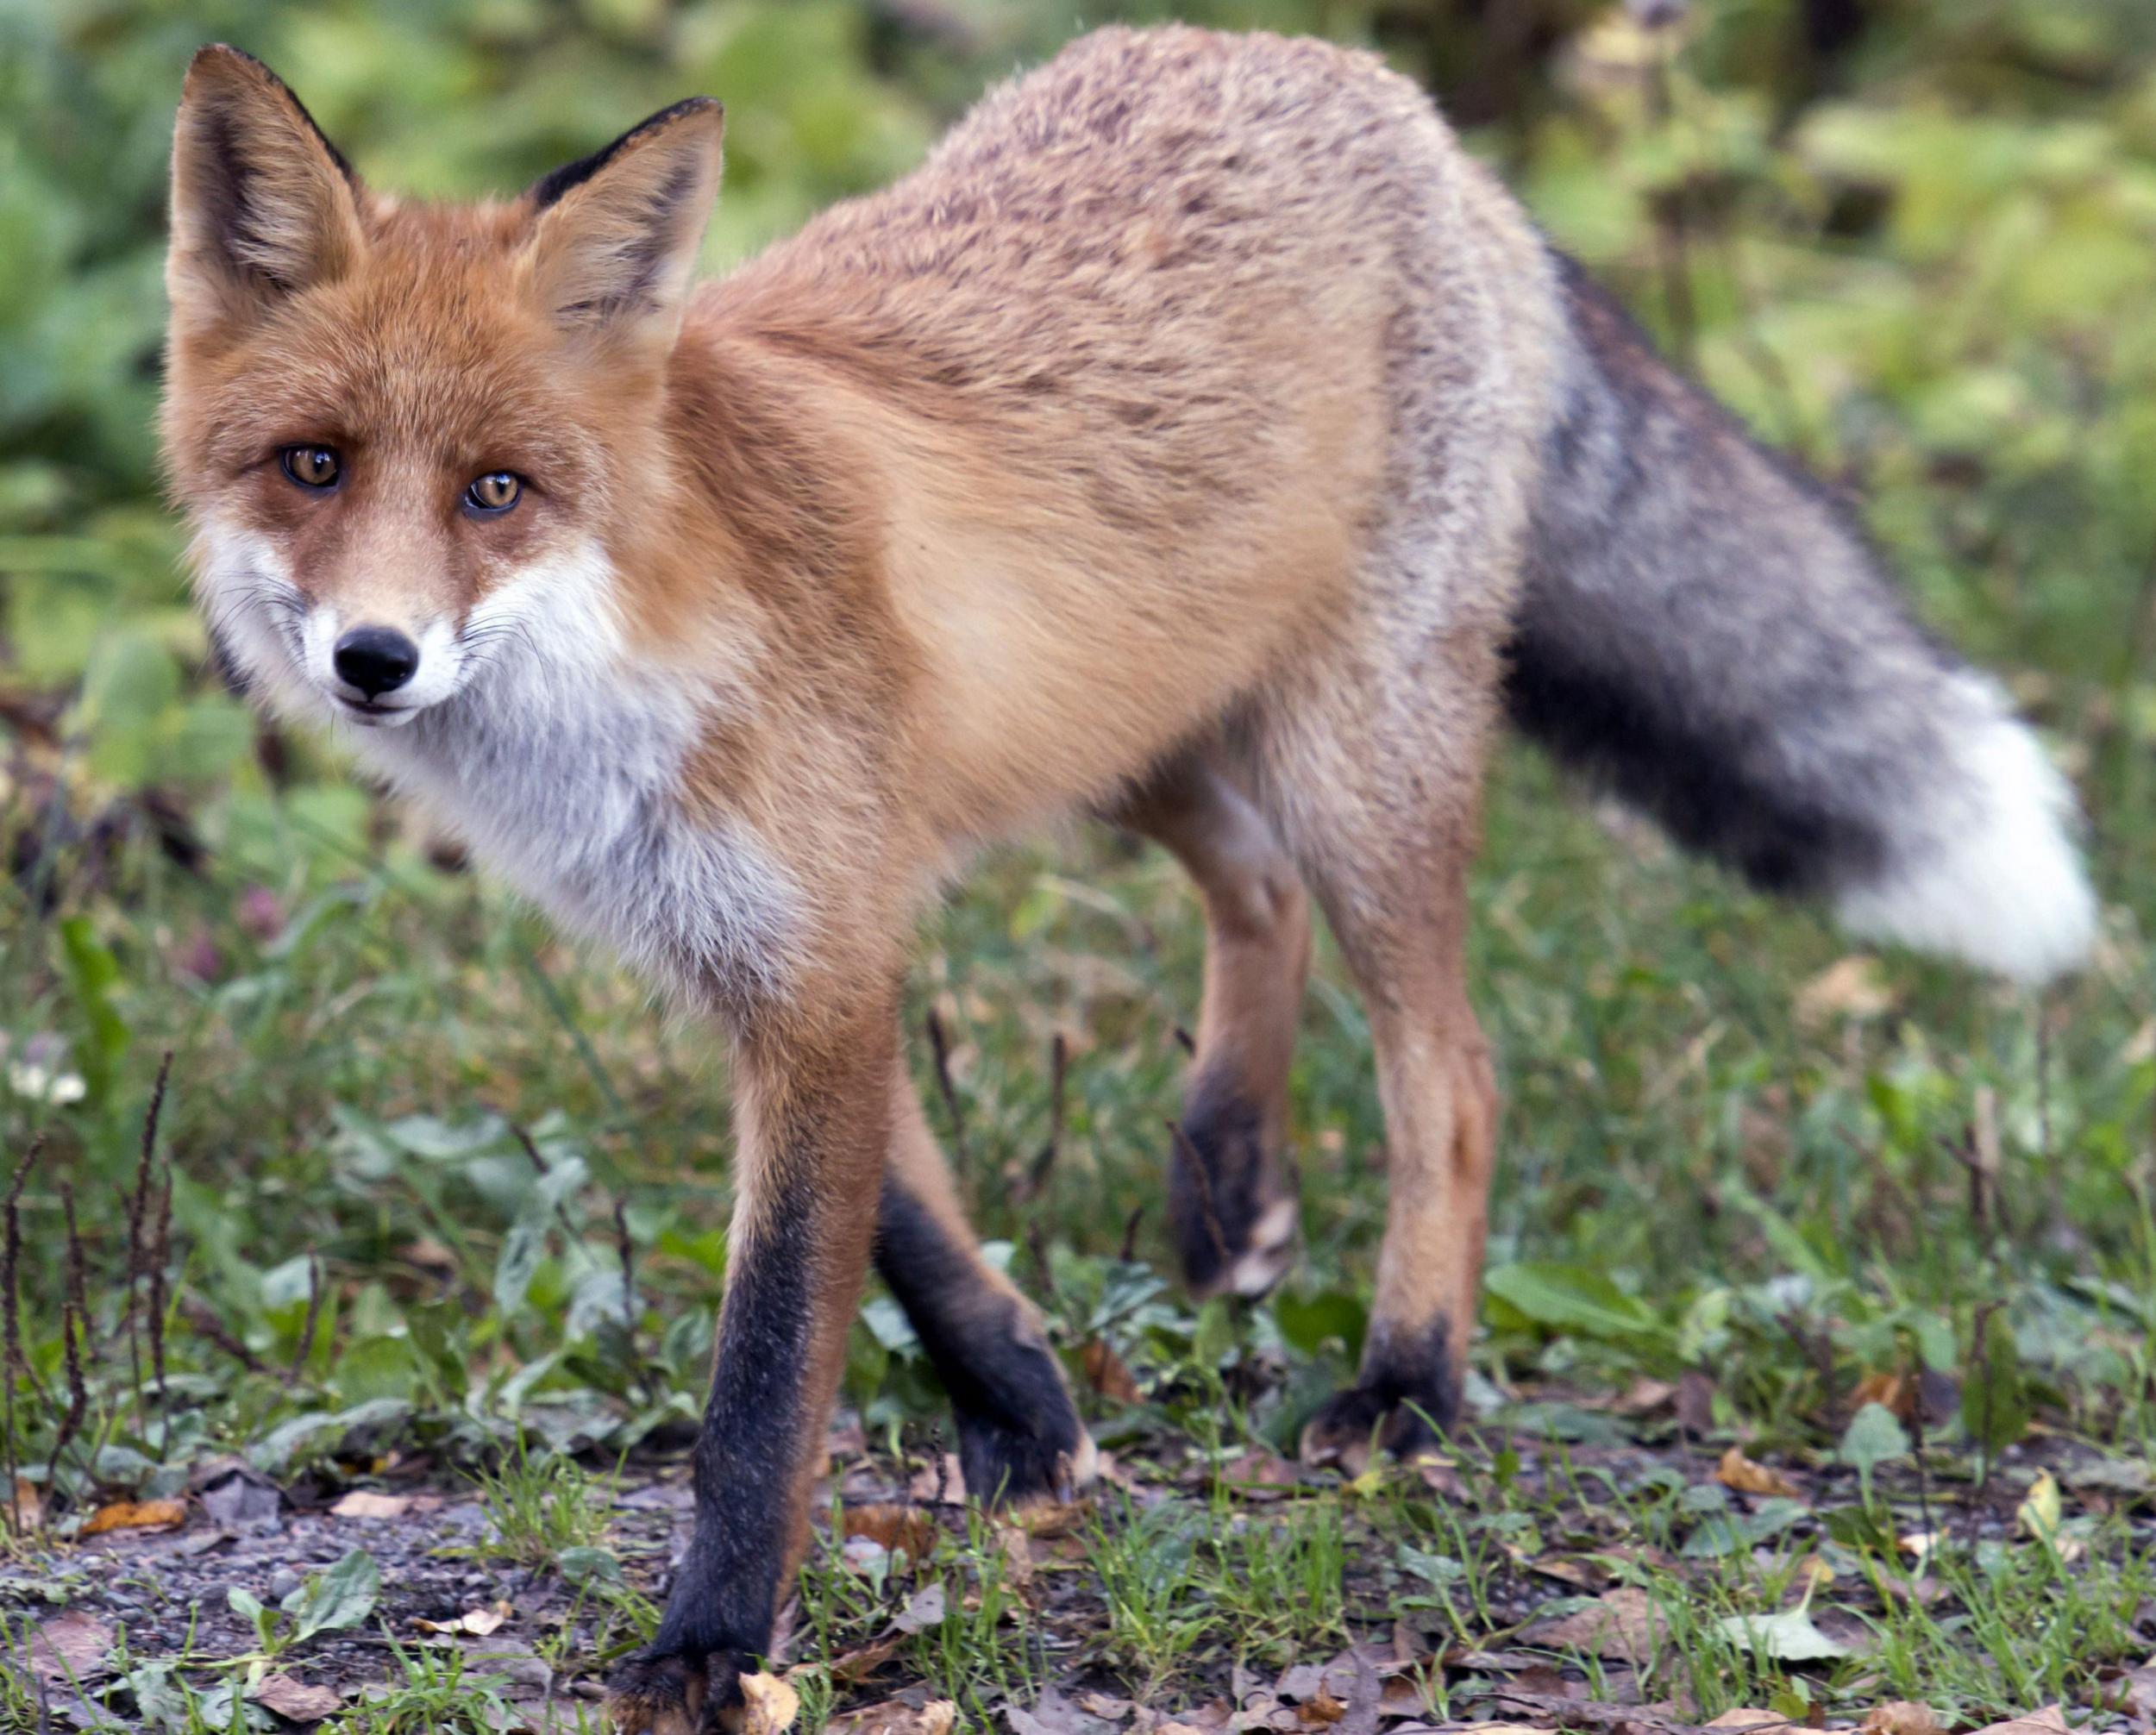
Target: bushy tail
1705	630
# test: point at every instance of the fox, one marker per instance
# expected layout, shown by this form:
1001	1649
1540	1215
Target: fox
1201	441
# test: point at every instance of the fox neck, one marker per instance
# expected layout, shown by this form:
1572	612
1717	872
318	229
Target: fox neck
562	761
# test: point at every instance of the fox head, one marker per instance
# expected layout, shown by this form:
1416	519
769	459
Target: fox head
405	434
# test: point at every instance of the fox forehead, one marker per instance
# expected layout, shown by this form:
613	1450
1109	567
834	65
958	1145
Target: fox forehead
430	348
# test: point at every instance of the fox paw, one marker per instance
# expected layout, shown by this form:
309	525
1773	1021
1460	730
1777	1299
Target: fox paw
1361	1419
660	1694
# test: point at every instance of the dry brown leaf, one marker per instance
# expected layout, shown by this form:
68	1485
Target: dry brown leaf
296	1701
943	1481
896	1717
2048	1721
1748	1476
364	1503
1646	1396
855	1666
1588	1577
1888	1391
1101	1705
1695	1404
1744	1718
1854	988
894	1526
1052	1517
1107	1374
1621	1624
768	1706
69	1646
475	1623
27	1514
136	1515
1017	1547
1902	1716
1321	1709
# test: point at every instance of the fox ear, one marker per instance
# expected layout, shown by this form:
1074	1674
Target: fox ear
617	233
263	205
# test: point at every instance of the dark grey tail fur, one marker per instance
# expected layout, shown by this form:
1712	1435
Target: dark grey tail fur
1703	629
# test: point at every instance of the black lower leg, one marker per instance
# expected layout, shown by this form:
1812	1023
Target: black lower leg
1230	1205
1018	1433
724	1601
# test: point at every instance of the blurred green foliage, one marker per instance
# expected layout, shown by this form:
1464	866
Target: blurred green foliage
1910	238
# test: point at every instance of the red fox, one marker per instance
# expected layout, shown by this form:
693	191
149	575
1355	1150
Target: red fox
1200	439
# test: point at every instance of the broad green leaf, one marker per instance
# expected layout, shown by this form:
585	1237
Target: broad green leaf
1571	1297
341	1597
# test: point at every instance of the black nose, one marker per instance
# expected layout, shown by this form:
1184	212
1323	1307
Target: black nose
376	660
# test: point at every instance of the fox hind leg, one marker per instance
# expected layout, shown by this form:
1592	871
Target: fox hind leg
1231	1195
1019	1437
1376	787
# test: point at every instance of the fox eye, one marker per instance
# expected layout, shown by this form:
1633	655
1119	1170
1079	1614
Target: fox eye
494	493
311	467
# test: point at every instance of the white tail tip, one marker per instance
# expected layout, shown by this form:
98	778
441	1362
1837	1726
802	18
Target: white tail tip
1987	869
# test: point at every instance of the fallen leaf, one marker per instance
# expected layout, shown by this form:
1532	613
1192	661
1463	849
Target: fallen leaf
855	1666
1589	1577
475	1623
2042	1510
69	1646
1902	1716
1016	1547
1853	988
1744	1716
1107	1374
1646	1396
364	1503
1748	1476
1321	1709
1051	1517
2048	1721
768	1705
1621	1624
1695	1404
896	1717
943	1482
1789	1637
236	1496
893	1525
924	1609
27	1511
1100	1704
136	1515
296	1701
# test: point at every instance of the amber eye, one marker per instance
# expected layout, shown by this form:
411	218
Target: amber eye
494	493
311	467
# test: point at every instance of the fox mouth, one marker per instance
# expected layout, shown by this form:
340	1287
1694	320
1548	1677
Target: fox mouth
370	713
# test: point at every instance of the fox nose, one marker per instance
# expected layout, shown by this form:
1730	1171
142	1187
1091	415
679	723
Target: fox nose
375	660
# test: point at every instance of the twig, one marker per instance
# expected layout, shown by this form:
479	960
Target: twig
160	1261
316	1286
1058	1067
16	1364
939	1046
203	1318
1129	1232
1197	1167
138	1211
74	1326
